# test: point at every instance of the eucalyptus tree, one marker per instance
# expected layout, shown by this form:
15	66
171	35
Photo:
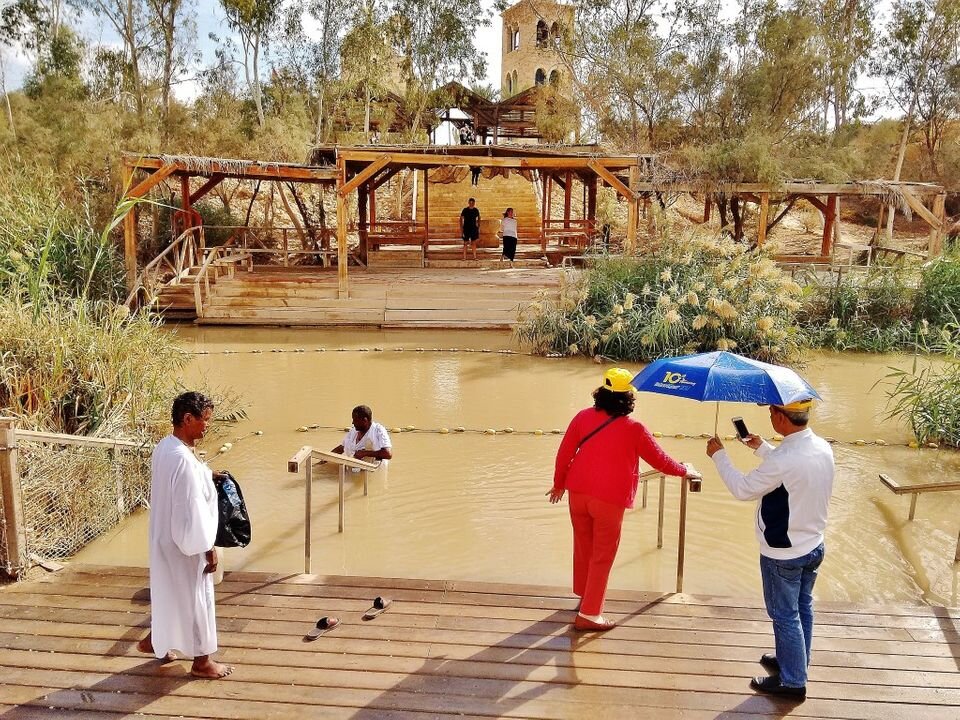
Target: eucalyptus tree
254	21
434	42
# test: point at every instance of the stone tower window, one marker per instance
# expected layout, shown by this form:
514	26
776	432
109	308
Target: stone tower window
516	84
555	34
516	38
555	78
542	34
509	84
541	77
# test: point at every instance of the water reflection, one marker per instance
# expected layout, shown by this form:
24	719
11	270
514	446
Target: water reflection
470	506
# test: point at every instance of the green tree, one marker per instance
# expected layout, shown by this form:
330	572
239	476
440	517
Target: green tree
254	21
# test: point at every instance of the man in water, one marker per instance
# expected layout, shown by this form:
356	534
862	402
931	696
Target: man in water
183	527
368	440
792	485
470	227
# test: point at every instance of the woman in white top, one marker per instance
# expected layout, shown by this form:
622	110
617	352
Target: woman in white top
508	231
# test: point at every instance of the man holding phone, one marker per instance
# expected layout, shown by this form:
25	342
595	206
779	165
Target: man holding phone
792	487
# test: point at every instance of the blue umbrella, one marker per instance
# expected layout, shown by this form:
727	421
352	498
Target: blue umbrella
723	377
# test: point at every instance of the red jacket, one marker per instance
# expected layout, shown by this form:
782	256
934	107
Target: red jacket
606	466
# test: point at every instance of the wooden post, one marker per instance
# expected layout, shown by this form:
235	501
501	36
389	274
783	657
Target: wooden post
308	520
567	196
826	247
15	540
130	234
707	206
633	211
343	291
682	540
592	199
373	212
544	211
426	213
762	220
935	244
362	227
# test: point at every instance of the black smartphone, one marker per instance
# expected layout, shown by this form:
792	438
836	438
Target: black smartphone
741	427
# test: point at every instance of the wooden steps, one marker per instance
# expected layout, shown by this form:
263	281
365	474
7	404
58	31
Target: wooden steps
392	297
458	649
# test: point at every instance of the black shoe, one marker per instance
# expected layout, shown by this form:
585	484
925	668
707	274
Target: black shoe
772	686
770	662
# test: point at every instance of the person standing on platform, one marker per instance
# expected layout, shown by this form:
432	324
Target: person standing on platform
598	463
183	527
474	175
470	227
508	231
792	487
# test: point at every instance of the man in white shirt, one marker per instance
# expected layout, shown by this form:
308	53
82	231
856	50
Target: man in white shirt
368	440
183	527
792	485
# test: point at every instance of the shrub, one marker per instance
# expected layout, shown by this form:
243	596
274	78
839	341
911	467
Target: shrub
938	296
692	295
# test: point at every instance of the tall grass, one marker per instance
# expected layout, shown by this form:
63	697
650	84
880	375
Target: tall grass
50	246
85	368
694	294
927	397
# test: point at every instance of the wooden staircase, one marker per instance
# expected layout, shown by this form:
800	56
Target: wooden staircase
400	299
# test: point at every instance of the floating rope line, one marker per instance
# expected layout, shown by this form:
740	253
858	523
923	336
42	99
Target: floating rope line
460	430
228	446
259	351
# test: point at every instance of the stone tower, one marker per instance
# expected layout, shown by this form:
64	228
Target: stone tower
532	32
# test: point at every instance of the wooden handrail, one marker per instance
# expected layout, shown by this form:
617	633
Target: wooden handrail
80	440
914	491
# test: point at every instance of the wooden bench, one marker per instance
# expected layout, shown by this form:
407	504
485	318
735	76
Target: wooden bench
915	490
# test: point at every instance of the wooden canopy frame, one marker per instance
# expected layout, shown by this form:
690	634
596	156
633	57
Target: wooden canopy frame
362	169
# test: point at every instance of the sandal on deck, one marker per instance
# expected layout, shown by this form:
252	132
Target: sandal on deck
379	605
323	626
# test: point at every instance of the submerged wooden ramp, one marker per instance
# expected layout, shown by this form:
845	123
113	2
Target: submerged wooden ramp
457	649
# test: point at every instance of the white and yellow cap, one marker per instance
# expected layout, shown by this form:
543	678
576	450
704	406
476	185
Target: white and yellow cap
798	406
618	380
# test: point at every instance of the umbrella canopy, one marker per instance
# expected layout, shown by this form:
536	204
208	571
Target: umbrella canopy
725	377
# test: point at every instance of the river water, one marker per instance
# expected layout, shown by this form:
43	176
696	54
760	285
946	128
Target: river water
471	506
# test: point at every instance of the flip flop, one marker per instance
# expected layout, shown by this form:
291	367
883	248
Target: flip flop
323	626
379	605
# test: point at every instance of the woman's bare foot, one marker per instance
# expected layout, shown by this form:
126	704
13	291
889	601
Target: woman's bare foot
146	646
208	669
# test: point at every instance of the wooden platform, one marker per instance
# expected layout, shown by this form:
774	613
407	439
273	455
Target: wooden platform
388	297
458	649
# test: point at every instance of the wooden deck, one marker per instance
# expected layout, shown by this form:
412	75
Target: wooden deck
457	649
389	297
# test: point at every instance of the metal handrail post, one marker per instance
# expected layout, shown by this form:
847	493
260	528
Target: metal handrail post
681	543
308	517
663	486
343	474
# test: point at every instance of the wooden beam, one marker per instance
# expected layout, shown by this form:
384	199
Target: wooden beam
567	188
362	225
185	192
544	213
612	180
826	246
368	172
919	208
426	213
632	212
241	169
762	221
144	186
707	205
935	243
15	534
592	198
816	202
206	187
524	163
384	177
130	235
343	291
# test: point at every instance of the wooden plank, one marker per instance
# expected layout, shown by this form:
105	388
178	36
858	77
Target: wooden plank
14	558
762	220
918	207
209	185
937	233
612	180
144	186
240	169
899	489
80	440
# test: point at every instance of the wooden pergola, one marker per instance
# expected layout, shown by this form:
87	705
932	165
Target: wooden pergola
363	169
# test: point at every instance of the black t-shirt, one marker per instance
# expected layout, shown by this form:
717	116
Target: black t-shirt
471	218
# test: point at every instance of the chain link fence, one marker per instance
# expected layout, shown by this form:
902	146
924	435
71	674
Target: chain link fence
71	495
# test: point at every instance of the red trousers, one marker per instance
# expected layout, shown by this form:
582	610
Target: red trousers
596	537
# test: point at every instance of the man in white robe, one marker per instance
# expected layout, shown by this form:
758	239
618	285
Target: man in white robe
368	440
183	527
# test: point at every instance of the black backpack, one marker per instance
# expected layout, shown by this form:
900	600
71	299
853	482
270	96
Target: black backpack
233	522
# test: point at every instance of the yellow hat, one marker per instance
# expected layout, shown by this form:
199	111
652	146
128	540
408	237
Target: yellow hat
798	406
618	380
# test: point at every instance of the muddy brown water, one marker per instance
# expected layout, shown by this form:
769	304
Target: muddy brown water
472	506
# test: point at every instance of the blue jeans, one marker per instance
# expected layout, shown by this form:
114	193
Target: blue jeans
788	594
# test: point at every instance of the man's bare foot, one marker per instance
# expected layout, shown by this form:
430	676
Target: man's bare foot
146	646
210	670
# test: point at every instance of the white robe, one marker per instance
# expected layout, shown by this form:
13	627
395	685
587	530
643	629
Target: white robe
183	527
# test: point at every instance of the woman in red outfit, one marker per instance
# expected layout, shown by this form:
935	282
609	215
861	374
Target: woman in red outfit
598	463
